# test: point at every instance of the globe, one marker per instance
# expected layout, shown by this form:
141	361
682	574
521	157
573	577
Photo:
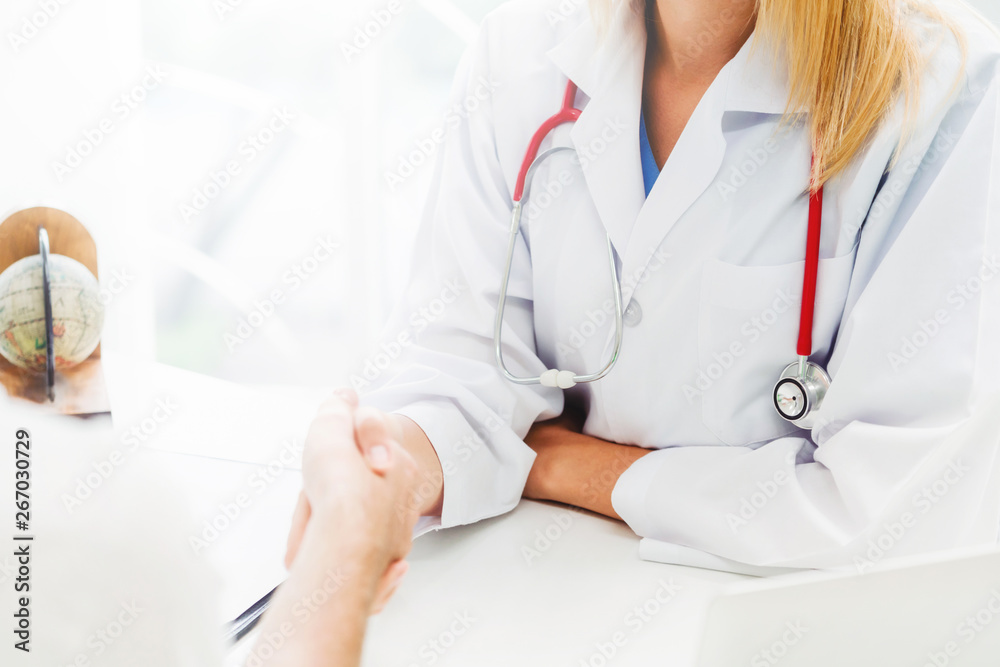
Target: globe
77	312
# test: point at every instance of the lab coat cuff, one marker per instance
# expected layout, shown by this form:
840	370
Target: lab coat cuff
426	524
630	493
444	426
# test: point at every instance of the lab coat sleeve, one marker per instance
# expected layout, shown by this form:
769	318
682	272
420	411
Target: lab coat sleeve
905	458
436	365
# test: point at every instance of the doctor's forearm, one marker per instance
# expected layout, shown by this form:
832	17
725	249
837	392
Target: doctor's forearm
428	495
577	469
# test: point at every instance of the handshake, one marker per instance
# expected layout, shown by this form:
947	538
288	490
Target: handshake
353	523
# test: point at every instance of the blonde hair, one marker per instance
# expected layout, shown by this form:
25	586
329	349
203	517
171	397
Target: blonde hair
848	61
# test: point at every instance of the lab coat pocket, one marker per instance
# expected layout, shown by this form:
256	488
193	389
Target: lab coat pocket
747	332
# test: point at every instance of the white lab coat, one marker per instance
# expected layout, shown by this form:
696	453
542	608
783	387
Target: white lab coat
908	318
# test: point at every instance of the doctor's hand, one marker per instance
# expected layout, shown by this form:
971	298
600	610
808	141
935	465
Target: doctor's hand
576	469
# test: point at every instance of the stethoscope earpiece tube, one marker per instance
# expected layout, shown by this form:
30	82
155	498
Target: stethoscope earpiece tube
554	378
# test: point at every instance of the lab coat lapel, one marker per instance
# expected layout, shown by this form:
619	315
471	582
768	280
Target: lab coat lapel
750	83
606	136
688	173
610	72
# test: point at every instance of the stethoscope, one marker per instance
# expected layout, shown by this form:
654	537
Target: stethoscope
802	385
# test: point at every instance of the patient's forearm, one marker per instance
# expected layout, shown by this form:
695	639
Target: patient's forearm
318	616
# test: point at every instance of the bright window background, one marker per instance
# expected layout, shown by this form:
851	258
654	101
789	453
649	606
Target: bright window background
365	80
190	282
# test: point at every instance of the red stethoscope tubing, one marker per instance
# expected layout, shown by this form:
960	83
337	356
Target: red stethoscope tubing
811	276
569	114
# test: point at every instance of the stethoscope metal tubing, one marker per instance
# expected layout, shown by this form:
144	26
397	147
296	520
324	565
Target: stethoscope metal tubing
515	227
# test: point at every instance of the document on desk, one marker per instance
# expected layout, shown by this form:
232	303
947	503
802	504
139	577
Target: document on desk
237	451
189	413
242	513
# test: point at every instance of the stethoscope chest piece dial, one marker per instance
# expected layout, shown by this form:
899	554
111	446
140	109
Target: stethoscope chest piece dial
800	392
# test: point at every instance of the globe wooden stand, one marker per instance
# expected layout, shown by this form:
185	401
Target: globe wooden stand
80	390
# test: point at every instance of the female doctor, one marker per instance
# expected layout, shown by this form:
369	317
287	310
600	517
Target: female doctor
755	253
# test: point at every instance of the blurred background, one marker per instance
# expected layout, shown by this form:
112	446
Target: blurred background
253	170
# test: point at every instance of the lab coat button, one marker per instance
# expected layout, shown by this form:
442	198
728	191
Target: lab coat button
633	314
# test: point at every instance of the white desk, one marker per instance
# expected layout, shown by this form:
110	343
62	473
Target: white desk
527	598
542	585
471	598
554	610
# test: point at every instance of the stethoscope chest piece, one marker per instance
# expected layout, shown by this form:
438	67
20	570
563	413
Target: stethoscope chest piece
800	392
